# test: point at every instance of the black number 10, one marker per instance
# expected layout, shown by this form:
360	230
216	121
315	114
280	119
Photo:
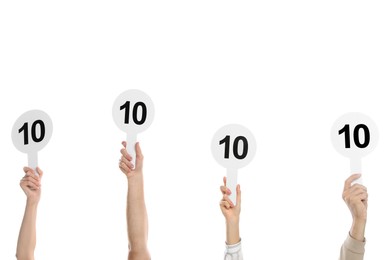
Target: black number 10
126	107
356	139
34	137
236	154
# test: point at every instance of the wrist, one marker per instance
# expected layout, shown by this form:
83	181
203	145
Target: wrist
359	220
134	175
135	180
232	231
358	229
233	221
32	202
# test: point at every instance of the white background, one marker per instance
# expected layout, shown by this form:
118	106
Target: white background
284	69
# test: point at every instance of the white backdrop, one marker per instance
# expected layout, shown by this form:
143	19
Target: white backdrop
284	69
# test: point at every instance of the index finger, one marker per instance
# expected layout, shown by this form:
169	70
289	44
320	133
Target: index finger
225	190
27	169
126	154
29	172
351	178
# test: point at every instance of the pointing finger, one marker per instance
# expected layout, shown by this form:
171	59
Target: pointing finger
351	178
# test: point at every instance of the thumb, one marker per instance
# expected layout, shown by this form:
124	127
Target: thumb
139	156
40	172
238	197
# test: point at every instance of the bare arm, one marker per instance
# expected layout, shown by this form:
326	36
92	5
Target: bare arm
137	218
31	185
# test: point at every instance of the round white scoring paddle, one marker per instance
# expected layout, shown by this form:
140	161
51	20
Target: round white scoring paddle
354	135
133	112
30	133
233	146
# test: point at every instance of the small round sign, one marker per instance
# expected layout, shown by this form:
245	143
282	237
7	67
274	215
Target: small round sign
233	146
133	111
354	135
32	131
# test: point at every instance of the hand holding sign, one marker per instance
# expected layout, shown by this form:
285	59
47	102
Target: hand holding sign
30	133
233	146
354	135
133	112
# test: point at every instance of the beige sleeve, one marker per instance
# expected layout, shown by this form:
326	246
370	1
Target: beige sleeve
352	249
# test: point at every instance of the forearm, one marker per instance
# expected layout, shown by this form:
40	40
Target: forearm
137	219
27	235
233	249
232	231
357	229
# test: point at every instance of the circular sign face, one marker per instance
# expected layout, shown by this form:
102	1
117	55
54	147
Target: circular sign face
32	131
233	146
354	135
133	111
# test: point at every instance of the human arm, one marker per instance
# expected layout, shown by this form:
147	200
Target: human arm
356	197
232	221
31	185
137	218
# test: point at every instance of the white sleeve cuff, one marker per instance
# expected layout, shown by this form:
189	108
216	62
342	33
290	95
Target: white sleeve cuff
233	252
